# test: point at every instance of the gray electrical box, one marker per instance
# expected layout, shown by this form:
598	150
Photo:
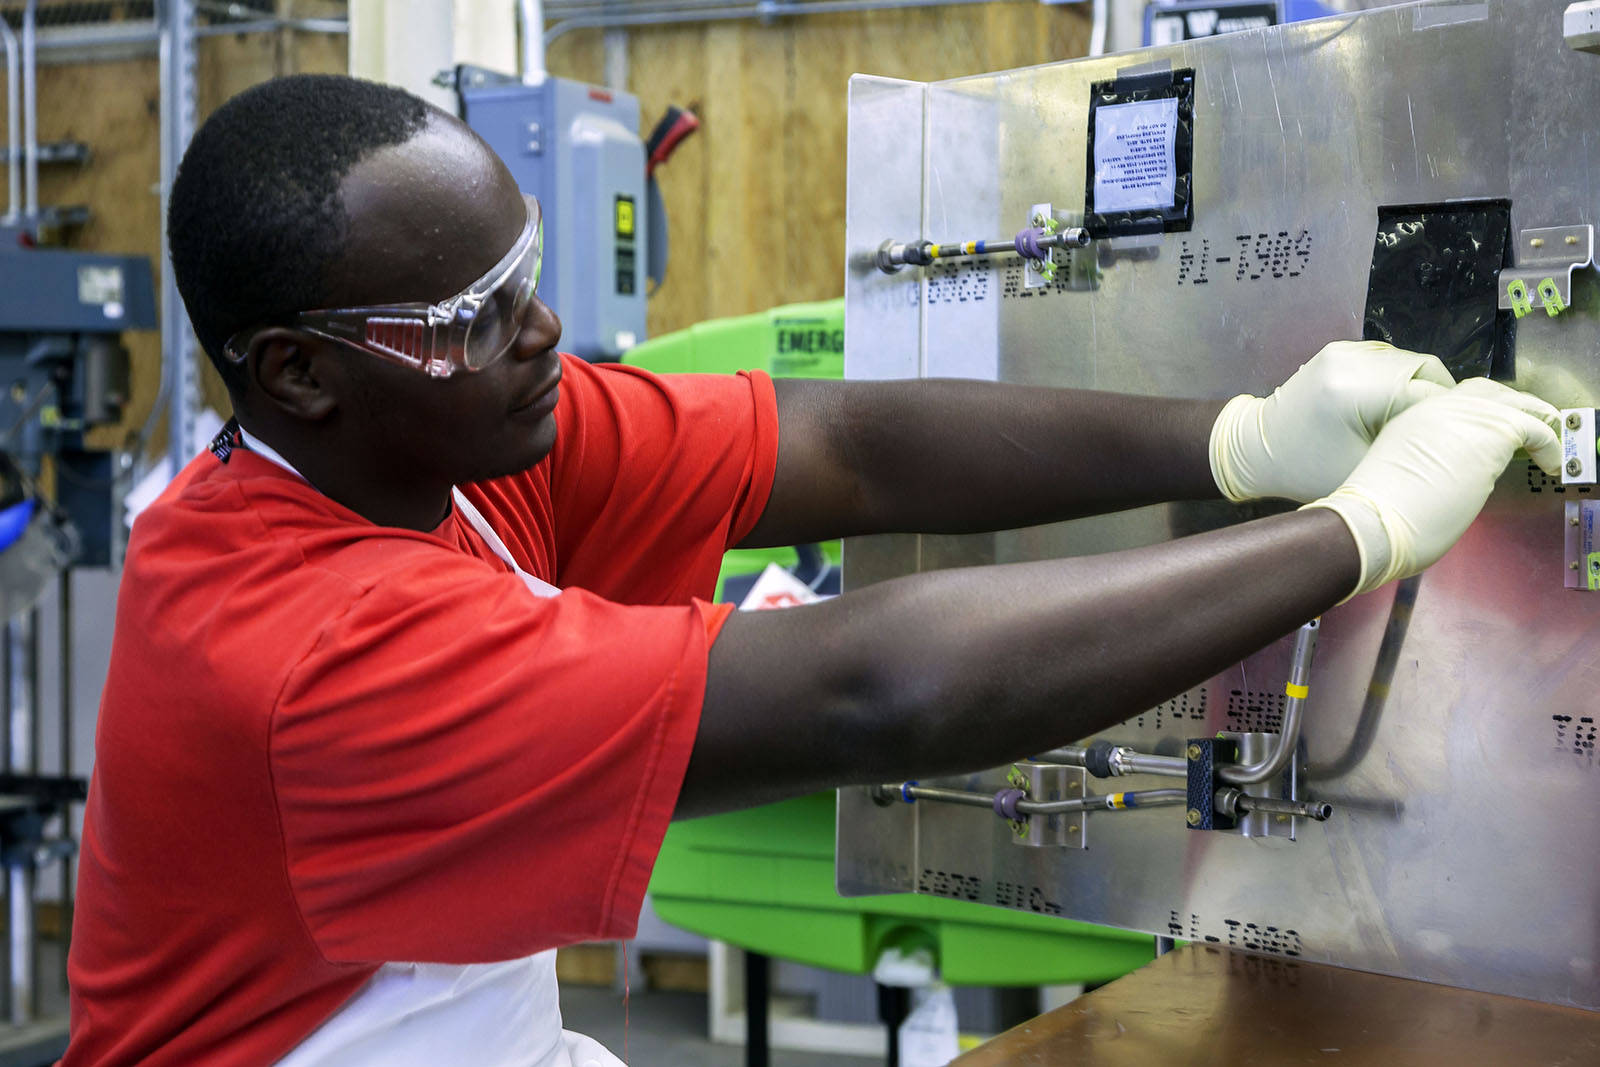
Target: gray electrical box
577	148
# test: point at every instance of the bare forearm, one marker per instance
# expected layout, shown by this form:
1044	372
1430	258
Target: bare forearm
946	456
959	670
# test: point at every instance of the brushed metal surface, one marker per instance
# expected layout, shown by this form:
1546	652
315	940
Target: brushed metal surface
1463	848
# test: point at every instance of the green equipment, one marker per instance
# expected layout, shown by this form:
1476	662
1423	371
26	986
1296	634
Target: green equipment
763	879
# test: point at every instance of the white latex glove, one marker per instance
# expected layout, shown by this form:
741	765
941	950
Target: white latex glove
1431	470
1304	439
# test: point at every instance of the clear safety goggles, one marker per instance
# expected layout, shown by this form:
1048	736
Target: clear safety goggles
467	332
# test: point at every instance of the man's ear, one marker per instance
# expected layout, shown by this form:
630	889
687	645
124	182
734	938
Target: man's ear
284	366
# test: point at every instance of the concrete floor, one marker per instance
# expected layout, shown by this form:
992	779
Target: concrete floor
669	1030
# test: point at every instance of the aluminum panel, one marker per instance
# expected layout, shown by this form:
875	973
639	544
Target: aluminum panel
1461	849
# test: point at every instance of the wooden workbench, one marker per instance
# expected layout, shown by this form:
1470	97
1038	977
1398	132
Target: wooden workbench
1207	1005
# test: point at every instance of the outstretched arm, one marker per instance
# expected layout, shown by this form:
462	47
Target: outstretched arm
946	456
964	669
949	456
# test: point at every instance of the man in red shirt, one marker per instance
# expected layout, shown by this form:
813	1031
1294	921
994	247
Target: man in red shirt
411	670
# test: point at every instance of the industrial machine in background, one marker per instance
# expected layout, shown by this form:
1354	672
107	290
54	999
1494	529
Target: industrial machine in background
1403	785
577	148
63	372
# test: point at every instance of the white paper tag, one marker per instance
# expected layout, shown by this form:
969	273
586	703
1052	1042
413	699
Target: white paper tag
1135	167
777	588
99	285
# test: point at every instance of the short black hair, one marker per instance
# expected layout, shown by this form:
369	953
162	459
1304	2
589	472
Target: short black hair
255	220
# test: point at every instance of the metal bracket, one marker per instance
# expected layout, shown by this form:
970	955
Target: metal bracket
1050	782
1254	747
1580	25
1546	258
1583	545
1205	754
1578	456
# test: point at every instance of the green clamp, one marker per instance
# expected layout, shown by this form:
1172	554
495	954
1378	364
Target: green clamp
1518	292
1553	304
1522	302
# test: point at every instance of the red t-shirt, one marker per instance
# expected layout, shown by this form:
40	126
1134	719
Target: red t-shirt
325	744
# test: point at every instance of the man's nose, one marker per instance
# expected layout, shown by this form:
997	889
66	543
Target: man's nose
541	330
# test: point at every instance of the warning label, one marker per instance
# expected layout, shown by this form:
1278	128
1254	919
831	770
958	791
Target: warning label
1134	165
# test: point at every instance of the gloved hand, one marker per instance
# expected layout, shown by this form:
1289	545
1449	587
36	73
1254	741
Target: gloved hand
1430	471
1301	442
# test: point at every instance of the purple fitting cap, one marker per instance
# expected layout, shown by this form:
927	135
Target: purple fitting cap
1005	803
1028	244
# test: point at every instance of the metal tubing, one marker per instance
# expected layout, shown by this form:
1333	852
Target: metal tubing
770	9
530	14
1071	755
334	27
1099	26
949	796
1148	798
13	120
1127	761
1274	763
30	103
1232	802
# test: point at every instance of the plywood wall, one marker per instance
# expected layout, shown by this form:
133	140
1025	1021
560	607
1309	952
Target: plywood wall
755	199
115	108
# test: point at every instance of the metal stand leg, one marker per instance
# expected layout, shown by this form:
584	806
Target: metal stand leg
894	1004
757	1003
19	876
65	641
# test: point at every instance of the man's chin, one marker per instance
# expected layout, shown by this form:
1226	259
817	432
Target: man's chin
531	450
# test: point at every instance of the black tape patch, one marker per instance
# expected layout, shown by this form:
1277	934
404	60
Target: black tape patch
1434	285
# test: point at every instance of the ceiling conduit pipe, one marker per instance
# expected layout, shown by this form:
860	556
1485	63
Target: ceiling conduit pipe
13	120
765	10
530	18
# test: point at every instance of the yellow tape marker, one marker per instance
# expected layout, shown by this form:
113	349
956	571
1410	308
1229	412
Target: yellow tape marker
1116	801
1298	691
971	247
933	251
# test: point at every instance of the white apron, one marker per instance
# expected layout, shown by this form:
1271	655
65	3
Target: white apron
505	1014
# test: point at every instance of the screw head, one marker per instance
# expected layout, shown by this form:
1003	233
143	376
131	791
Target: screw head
1537	242
1283	818
1574	465
1072	829
1572	239
1574	421
1194	751
1573	565
1194	816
